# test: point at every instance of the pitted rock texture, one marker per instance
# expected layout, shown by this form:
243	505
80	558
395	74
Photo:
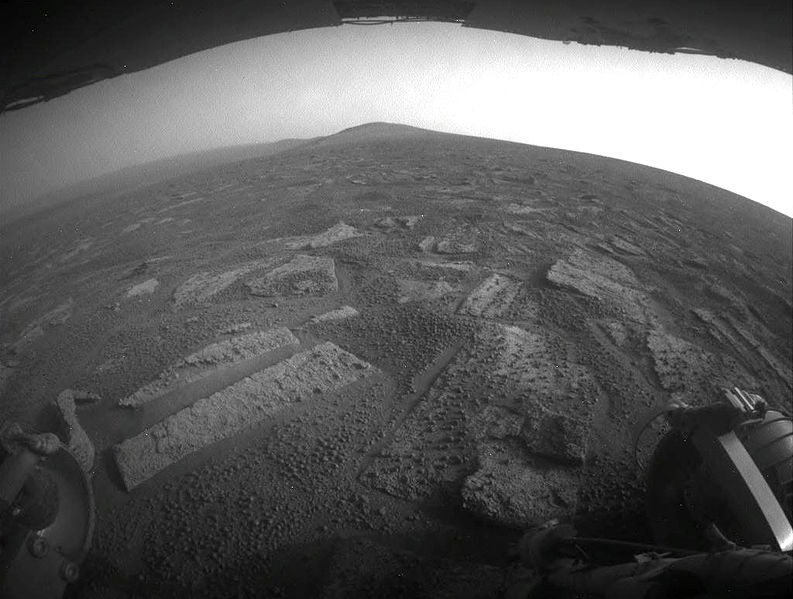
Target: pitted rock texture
243	404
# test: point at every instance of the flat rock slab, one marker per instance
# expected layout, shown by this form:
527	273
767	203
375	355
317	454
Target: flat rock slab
322	369
336	233
604	279
492	298
596	276
312	275
203	286
207	360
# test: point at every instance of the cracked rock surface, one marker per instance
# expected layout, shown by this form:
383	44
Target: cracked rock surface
370	362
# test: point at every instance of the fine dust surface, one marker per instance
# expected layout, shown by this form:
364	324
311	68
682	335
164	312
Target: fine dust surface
364	368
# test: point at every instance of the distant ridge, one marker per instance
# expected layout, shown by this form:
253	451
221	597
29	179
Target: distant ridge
371	131
157	171
174	166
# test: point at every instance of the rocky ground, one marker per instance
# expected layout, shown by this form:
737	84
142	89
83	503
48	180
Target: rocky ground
362	368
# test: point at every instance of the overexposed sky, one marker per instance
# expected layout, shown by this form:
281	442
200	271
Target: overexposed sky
725	122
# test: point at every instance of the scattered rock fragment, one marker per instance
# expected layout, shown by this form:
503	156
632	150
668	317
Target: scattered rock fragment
5	373
522	209
315	275
205	361
37	328
458	266
235	329
511	490
558	437
84	398
408	221
339	314
521	228
617	331
413	291
386	223
455	246
626	246
76	439
145	288
31	333
496	422
427	244
83	245
680	365
321	369
336	233
108	366
137	271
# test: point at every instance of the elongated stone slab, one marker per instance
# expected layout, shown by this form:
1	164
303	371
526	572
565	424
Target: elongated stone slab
205	361
339	314
322	369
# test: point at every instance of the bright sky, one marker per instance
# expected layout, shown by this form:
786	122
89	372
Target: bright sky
725	122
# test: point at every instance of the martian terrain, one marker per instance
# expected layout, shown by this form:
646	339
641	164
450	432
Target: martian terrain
364	366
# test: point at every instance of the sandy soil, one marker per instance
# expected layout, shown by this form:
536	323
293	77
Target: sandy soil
364	368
